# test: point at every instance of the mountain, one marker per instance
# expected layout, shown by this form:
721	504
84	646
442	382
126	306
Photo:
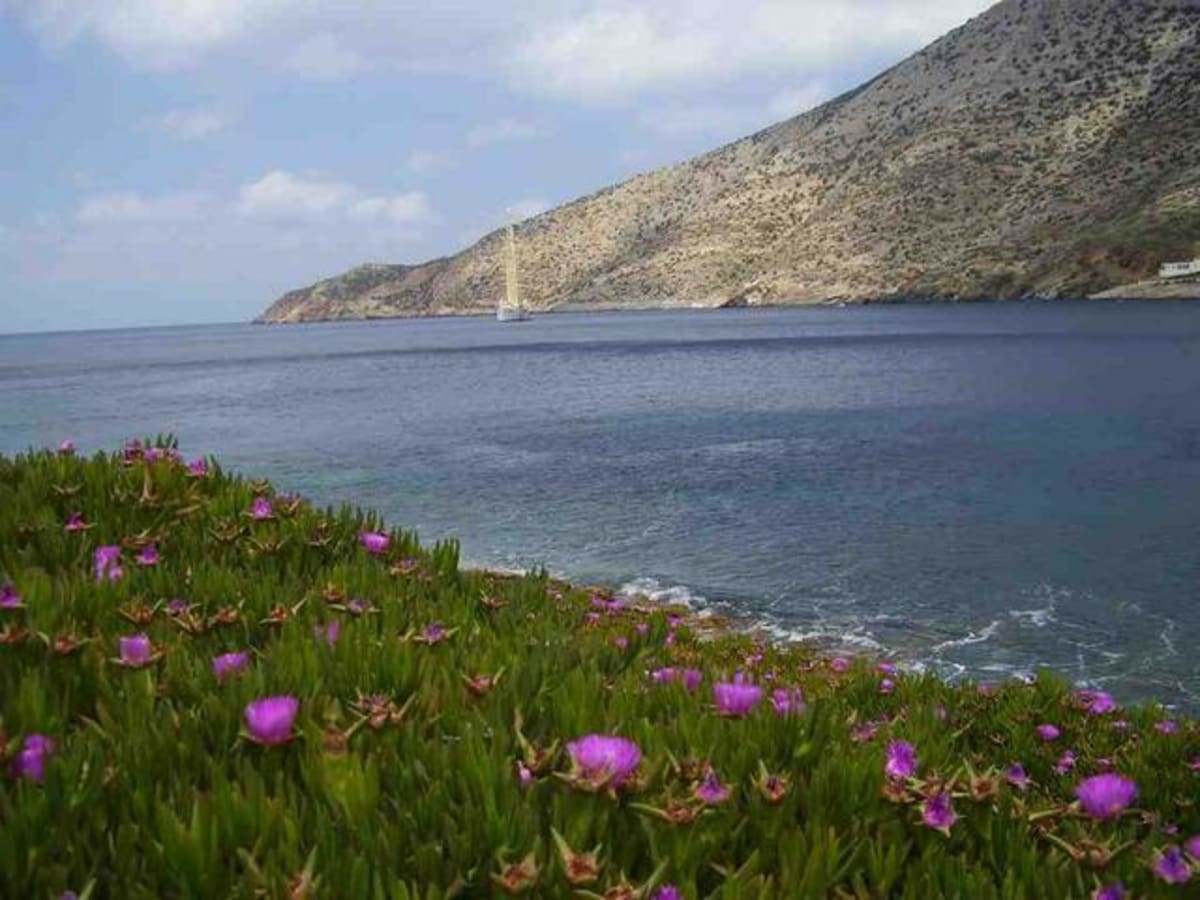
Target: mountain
1046	148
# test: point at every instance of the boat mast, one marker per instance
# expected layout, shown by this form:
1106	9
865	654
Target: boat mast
511	295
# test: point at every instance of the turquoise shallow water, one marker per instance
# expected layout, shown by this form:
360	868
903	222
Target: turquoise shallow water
978	489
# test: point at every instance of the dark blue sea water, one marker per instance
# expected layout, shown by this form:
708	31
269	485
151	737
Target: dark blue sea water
978	489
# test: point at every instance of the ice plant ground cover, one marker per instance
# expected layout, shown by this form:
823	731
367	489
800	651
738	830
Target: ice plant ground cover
190	722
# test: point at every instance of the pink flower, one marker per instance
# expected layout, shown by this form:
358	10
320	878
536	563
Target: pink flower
524	775
75	522
1016	776
30	763
621	642
148	556
1119	725
603	761
177	607
736	699
374	542
228	664
886	686
1065	763
261	508
67	447
839	664
136	651
1171	867
1192	846
901	762
1166	726
711	791
198	468
1048	732
668	892
270	719
1097	703
937	812
357	607
1105	796
9	598
107	563
886	668
330	632
787	702
642	629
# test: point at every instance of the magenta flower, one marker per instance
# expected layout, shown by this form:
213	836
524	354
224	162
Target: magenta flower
374	542
524	775
107	563
937	812
1097	703
1166	726
736	699
886	668
1016	776
671	639
886	686
603	761
1110	892
1192	846
901	760
148	556
178	607
136	651
1065	763
357	607
330	632
261	508
228	664
668	892
1048	732
839	664
30	763
1171	867
692	679
1105	796
435	633
592	618
665	675
66	447
711	791
75	522
689	678
198	468
787	702
270	719
9	598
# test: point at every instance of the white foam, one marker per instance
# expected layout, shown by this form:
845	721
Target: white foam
656	592
972	638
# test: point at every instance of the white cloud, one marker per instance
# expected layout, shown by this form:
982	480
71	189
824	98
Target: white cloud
325	58
590	50
189	124
123	207
400	209
675	121
504	130
280	196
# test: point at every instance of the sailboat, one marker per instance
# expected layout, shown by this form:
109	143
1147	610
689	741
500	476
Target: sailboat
509	308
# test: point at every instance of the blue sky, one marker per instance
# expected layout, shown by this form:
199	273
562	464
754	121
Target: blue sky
177	161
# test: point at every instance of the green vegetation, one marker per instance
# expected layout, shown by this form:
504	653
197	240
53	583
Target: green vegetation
435	748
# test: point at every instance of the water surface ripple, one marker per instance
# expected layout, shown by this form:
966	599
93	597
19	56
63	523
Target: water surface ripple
979	489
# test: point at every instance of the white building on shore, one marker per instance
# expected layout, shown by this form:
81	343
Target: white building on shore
1179	269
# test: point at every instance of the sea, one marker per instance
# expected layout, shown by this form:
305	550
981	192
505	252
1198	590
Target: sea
974	490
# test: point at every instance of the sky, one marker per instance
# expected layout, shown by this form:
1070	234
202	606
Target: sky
187	161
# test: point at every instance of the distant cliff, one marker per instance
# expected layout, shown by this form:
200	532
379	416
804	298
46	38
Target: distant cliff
1048	148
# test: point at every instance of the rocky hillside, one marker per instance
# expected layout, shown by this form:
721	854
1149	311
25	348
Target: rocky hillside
1047	147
